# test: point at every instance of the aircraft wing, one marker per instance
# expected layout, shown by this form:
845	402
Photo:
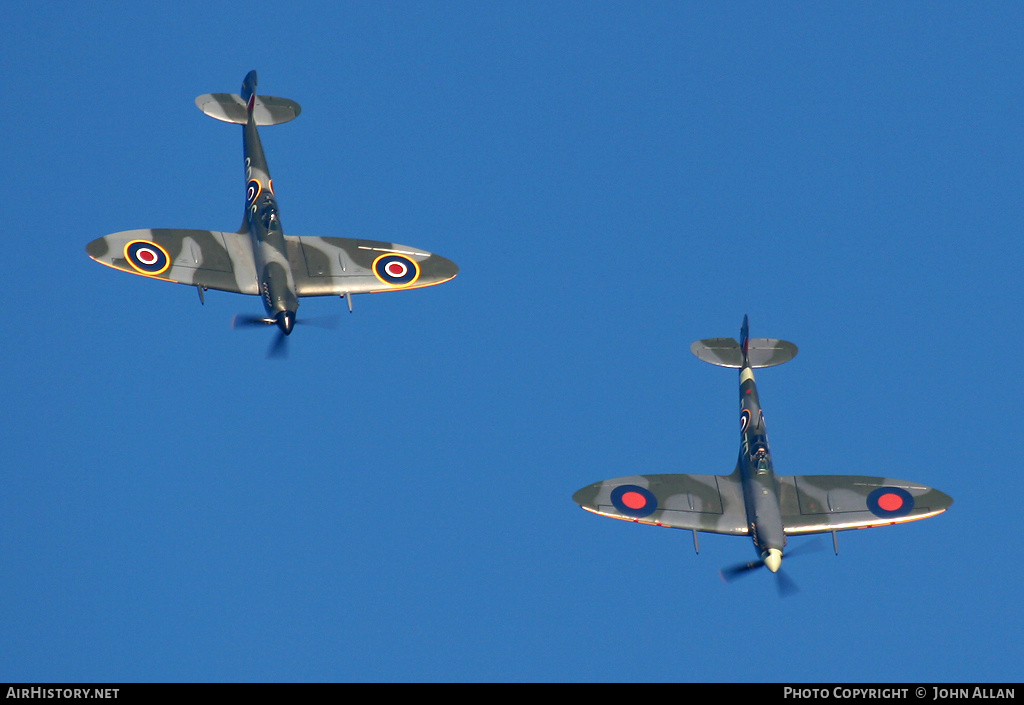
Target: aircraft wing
334	266
206	258
819	503
712	503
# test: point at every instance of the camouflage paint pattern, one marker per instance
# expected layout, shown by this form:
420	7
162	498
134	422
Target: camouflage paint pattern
321	266
260	259
753	500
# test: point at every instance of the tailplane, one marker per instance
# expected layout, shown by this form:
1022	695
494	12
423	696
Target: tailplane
234	108
756	352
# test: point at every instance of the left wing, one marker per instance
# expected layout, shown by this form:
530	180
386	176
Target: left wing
205	258
819	503
712	503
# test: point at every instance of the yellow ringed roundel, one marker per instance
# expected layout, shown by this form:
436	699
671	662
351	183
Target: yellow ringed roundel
147	257
252	192
396	270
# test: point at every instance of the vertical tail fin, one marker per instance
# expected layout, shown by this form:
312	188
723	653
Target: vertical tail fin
745	339
249	91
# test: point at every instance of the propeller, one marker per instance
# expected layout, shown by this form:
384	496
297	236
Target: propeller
784	583
279	346
732	572
242	321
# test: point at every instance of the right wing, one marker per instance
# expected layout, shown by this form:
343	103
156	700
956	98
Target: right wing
335	266
205	258
712	503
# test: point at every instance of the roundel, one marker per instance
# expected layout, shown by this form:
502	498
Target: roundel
889	502
744	420
252	191
634	501
396	270
147	257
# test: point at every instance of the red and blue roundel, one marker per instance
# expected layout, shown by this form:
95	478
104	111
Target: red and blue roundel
147	257
890	502
396	270
634	501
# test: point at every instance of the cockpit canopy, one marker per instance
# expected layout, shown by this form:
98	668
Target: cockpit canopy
759	453
269	216
758	443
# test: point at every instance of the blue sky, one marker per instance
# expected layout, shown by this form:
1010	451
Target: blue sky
615	180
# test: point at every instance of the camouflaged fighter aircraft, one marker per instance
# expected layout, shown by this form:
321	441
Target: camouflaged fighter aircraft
260	259
754	501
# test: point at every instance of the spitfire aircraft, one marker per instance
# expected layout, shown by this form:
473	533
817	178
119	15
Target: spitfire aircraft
259	259
753	501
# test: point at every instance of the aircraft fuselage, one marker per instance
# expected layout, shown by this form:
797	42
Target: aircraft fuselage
277	285
760	489
752	500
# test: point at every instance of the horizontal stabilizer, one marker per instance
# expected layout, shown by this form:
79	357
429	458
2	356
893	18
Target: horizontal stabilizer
229	107
761	352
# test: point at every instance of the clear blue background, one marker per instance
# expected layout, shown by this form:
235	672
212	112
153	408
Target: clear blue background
615	180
